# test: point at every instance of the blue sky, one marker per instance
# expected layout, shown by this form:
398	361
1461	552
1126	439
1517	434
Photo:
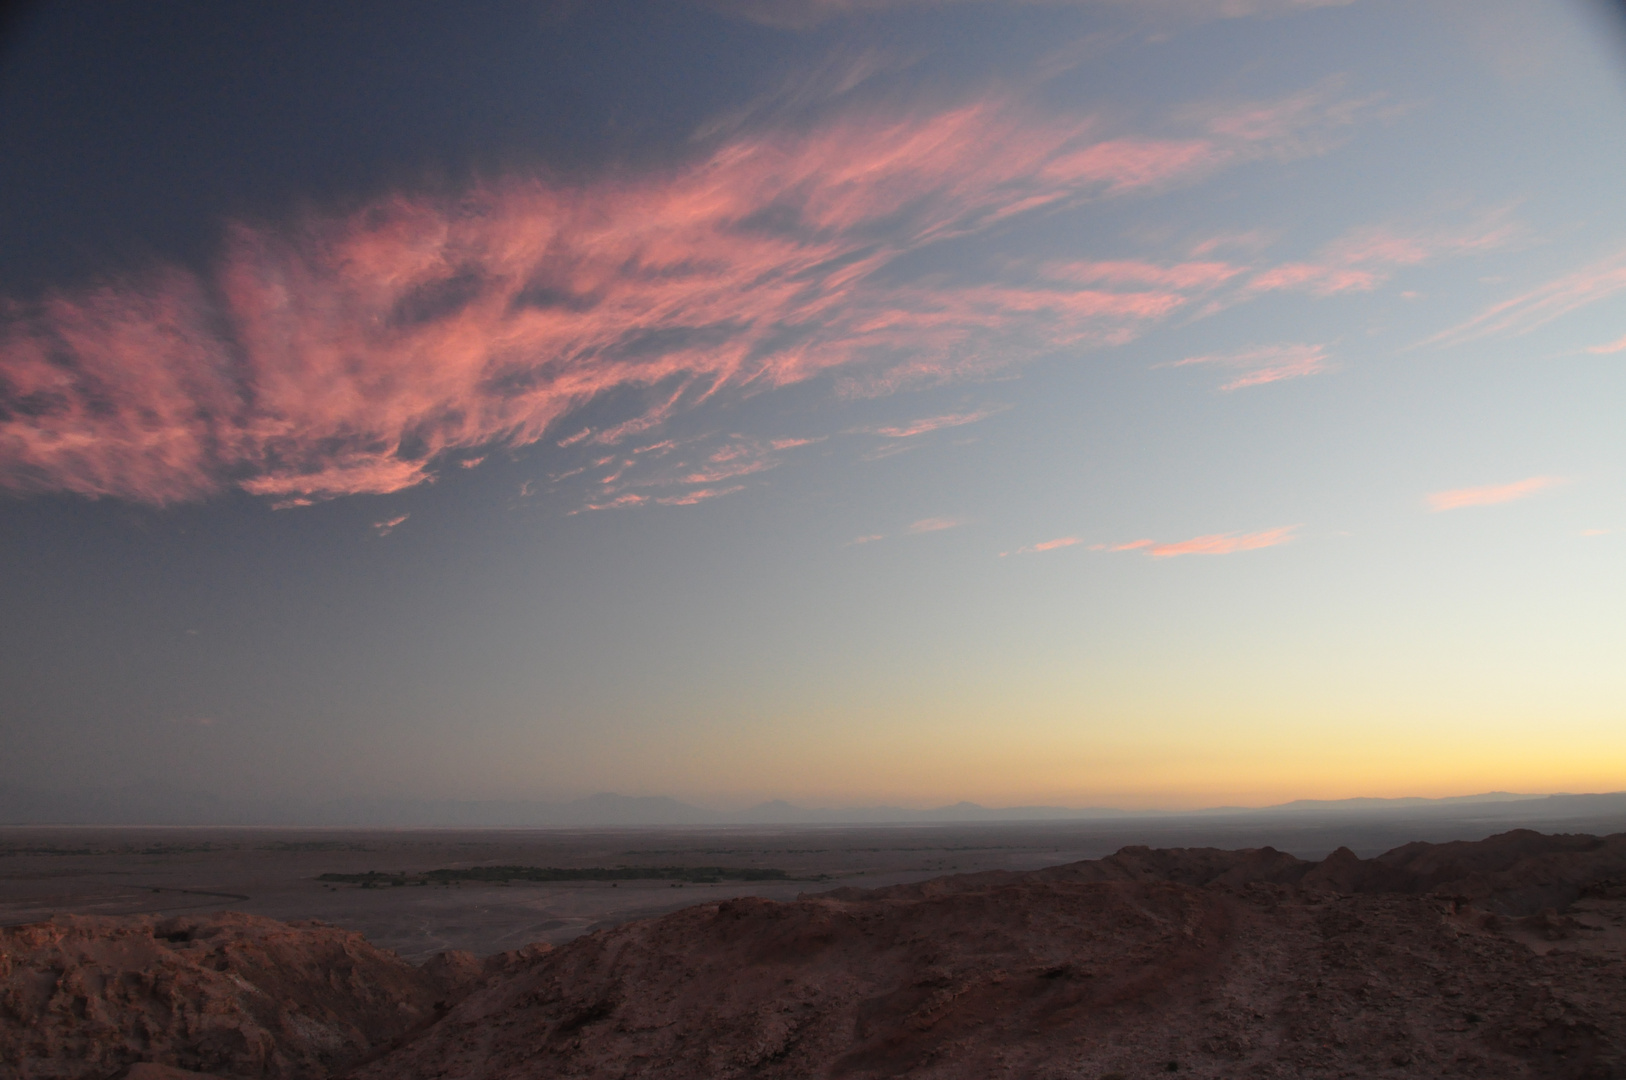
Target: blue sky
1081	403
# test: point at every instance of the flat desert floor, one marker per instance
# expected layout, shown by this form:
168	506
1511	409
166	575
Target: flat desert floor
46	871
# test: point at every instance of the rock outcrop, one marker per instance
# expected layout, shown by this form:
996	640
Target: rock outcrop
1503	958
231	995
1204	962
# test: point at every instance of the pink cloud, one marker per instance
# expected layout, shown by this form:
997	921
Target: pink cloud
1183	277
1266	365
1303	124
804	14
1315	278
651	418
699	495
936	524
1218	544
620	502
1612	347
1044	545
870	539
1251	240
1364	258
1121	164
1225	544
739	457
1132	545
935	423
1394	246
1491	494
1542	305
354	354
692	463
386	527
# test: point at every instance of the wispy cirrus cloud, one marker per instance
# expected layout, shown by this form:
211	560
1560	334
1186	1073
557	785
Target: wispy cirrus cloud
805	14
937	423
619	502
1491	494
934	524
1044	545
1250	240
924	525
705	465
742	456
1302	124
1542	305
1613	347
1182	277
1394	245
1269	364
1365	258
1214	544
358	353
1315	278
689	498
384	528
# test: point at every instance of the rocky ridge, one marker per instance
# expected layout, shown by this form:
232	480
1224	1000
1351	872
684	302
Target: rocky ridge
1500	958
228	994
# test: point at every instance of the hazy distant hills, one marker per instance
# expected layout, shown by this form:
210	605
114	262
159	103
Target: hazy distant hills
157	805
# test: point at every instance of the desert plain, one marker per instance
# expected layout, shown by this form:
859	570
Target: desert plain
73	870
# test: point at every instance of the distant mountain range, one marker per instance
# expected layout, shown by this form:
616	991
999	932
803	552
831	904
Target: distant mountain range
157	805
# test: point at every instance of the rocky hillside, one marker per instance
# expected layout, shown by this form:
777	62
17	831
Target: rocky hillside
1209	963
1504	958
234	995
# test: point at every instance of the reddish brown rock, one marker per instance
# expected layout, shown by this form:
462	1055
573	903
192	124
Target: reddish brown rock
148	1071
1201	962
231	995
1505	958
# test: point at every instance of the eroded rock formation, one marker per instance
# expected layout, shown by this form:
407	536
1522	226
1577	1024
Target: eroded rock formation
1432	960
1503	958
228	994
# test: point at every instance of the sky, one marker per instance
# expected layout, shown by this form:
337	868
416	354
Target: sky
1167	404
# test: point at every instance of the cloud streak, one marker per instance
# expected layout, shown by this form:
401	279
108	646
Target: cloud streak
936	423
1044	545
805	14
356	354
1618	345
1272	363
1491	494
1213	544
1366	258
1542	305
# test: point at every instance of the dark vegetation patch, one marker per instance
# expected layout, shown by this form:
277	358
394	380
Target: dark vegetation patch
496	874
47	850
